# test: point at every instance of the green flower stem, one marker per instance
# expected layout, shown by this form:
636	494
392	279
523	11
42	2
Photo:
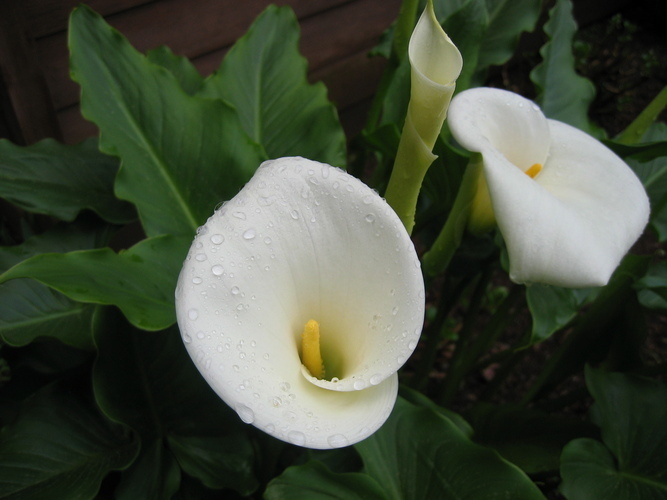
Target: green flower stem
412	161
457	367
438	257
636	130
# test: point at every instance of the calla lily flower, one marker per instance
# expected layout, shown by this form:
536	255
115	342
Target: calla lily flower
568	208
299	300
435	64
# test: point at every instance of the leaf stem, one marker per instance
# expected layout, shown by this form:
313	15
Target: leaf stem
635	131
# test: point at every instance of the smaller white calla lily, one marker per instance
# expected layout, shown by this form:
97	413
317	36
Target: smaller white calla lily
298	302
568	208
435	64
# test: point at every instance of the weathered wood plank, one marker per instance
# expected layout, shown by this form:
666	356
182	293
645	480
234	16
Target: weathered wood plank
31	116
326	37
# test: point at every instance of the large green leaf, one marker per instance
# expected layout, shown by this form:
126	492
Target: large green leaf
631	412
29	309
146	380
552	308
140	281
54	179
181	67
314	481
652	288
181	155
507	20
562	93
60	447
419	453
264	77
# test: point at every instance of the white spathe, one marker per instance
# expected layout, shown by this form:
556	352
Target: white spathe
303	240
572	224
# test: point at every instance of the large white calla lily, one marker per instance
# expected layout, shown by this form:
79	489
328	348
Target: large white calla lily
568	207
305	268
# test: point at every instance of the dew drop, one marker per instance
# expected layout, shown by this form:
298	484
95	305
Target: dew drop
285	386
337	441
246	414
200	257
367	200
186	338
297	438
197	280
235	290
216	239
412	344
400	360
201	335
376	379
359	385
370	218
277	402
290	415
294	214
270	429
325	171
217	270
267	240
239	215
193	314
335	380
394	311
249	234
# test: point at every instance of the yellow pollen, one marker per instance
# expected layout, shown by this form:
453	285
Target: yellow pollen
310	348
534	170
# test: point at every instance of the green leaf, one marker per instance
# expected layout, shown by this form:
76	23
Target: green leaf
181	155
652	288
507	20
179	66
147	381
140	281
562	93
59	180
422	454
631	412
60	447
264	77
653	174
314	481
29	309
531	439
552	308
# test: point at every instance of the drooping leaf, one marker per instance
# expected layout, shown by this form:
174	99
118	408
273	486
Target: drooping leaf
59	180
181	155
60	447
652	288
140	280
314	481
29	309
147	381
179	66
264	77
422	454
553	307
562	94
631	412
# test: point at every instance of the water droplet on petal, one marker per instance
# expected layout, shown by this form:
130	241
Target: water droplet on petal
239	215
297	438
370	218
186	338
193	314
197	280
294	214
337	441
200	257
285	386
249	234
277	402
201	335
216	239
359	385
217	270
270	429
235	290
376	379
245	413
412	344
